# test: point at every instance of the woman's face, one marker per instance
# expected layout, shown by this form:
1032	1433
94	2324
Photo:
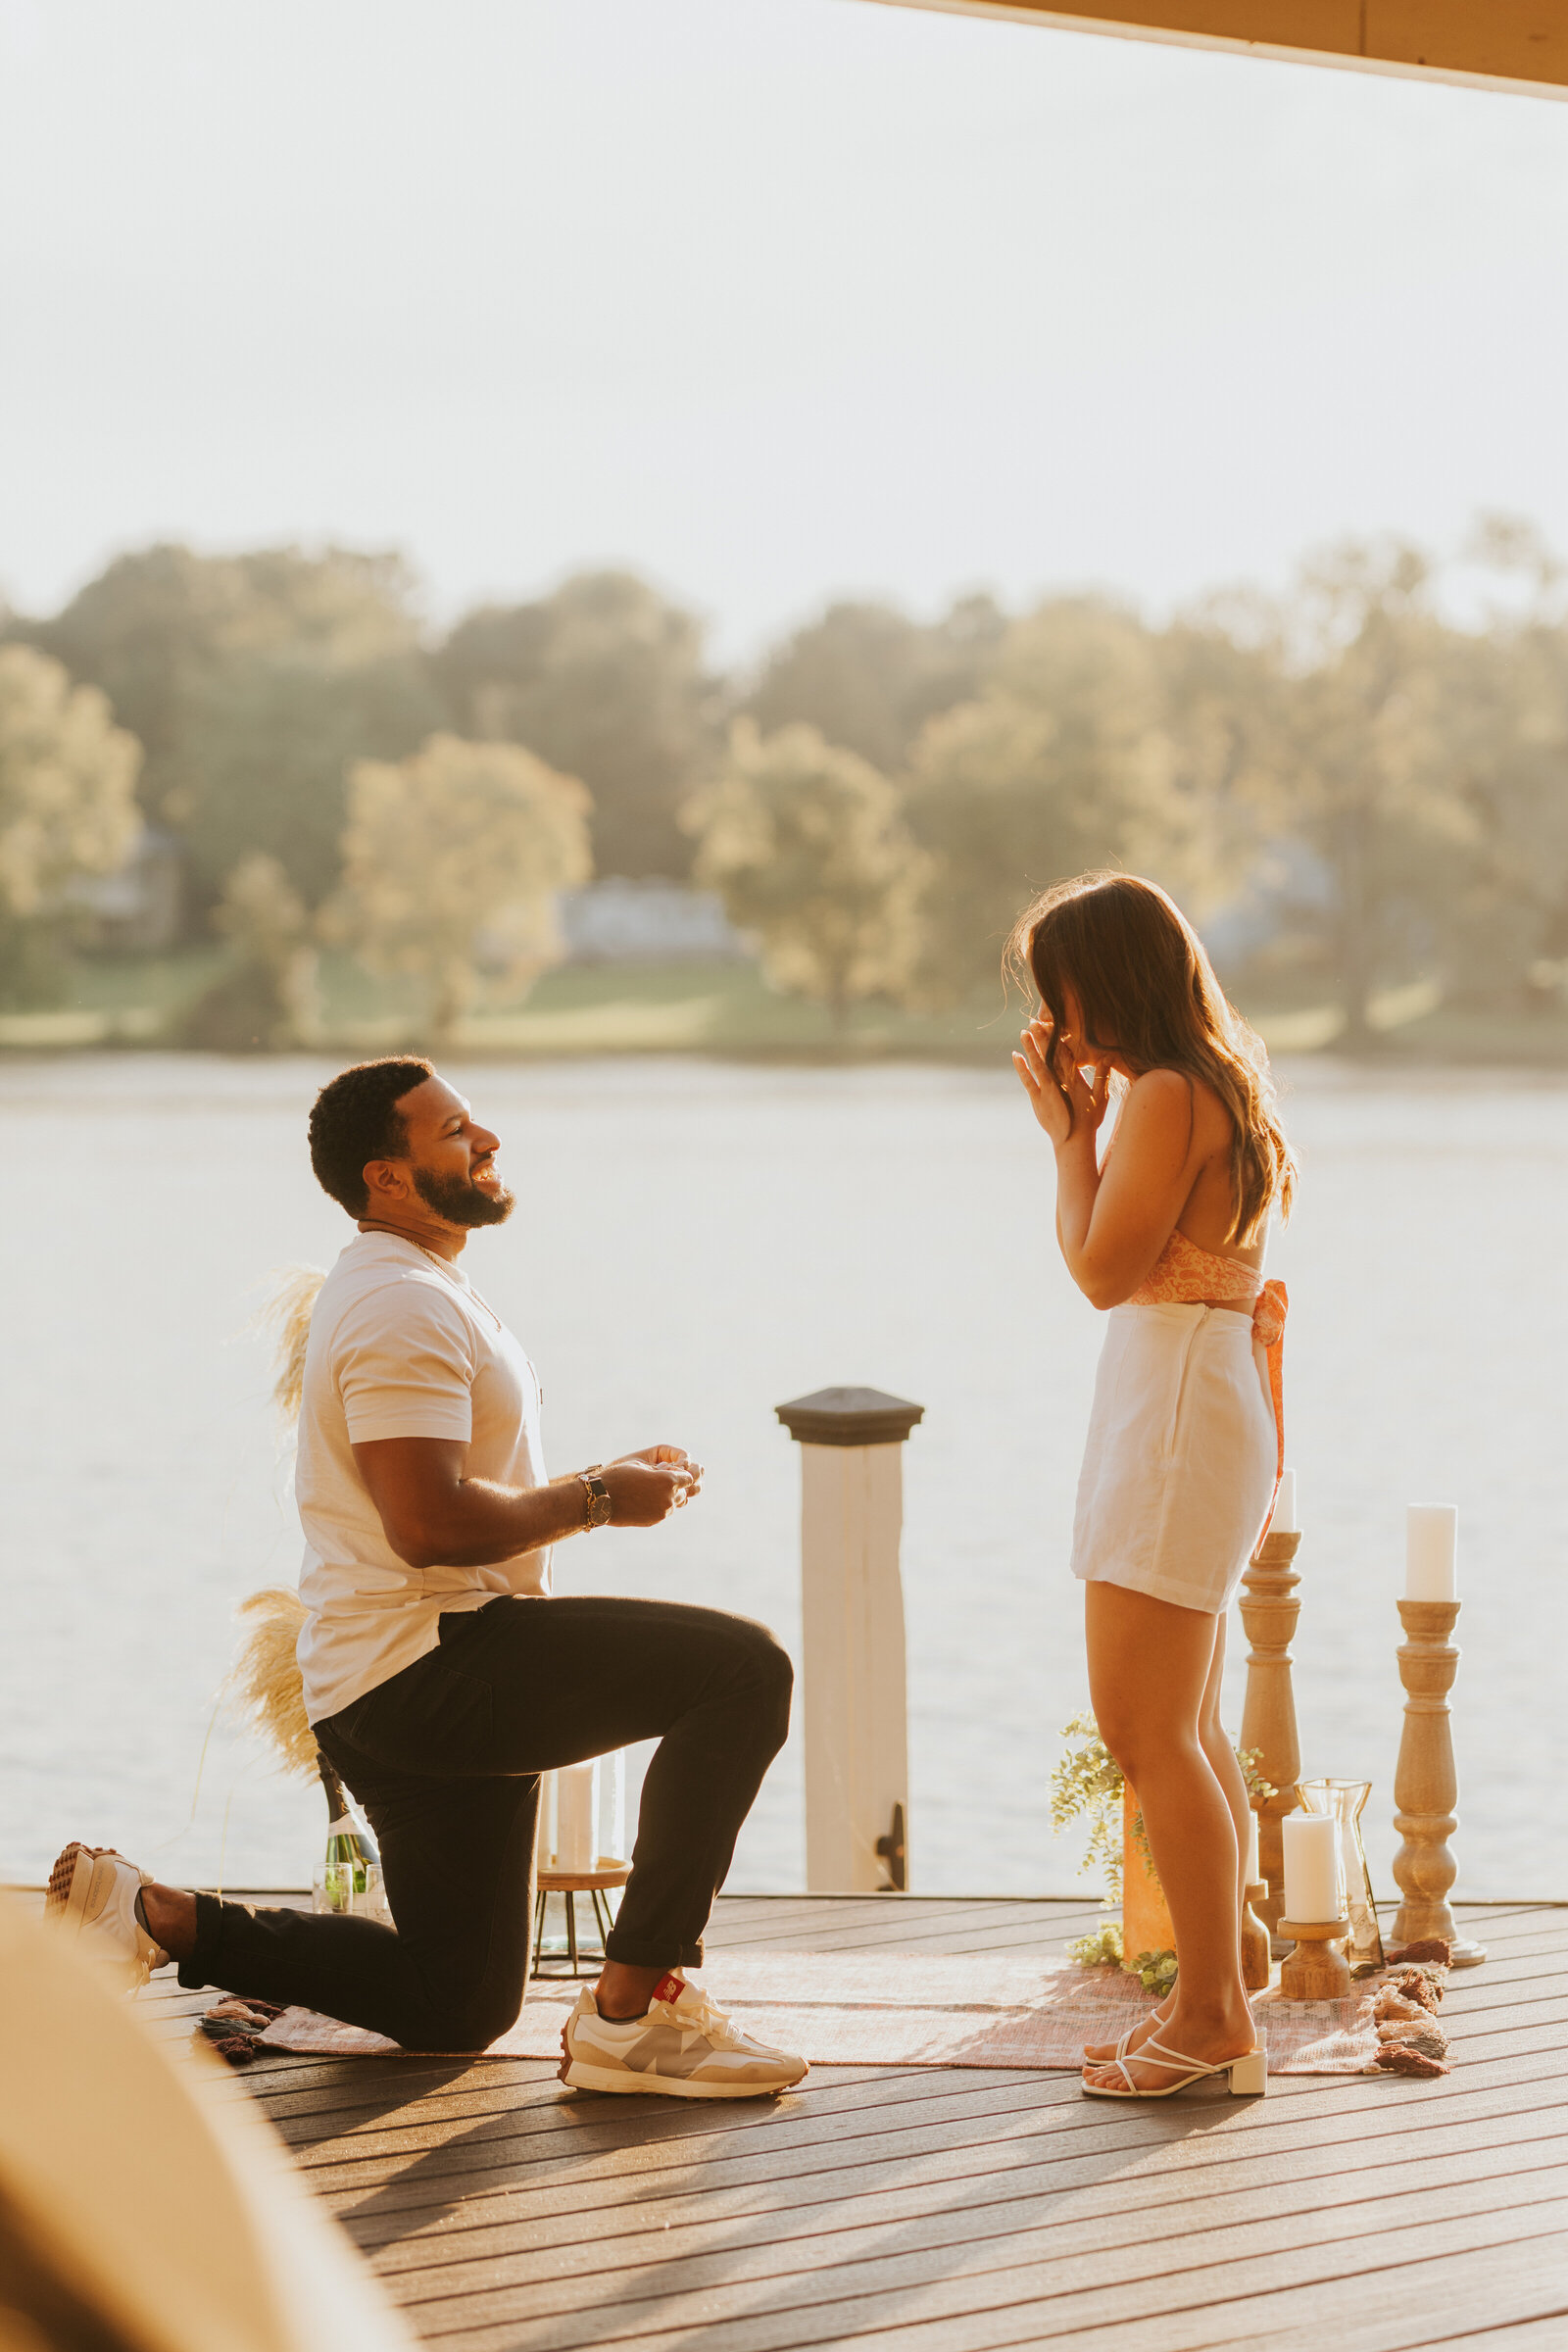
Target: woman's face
1099	1051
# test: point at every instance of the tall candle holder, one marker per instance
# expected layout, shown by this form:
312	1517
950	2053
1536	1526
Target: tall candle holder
1426	1786
1269	1614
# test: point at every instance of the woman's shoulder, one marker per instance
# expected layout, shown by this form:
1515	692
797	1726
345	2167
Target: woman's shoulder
1165	1096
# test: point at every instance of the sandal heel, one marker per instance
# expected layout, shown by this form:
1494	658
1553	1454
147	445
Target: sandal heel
1249	2075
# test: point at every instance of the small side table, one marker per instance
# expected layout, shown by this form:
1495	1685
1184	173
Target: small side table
570	1883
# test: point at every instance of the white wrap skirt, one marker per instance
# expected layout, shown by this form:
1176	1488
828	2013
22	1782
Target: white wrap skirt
1180	1462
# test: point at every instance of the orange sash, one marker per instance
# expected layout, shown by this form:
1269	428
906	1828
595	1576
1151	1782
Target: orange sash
1268	1329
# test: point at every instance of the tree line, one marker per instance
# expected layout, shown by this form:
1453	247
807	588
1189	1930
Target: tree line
1377	770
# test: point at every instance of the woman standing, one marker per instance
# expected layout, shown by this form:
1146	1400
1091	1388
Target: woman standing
1184	1449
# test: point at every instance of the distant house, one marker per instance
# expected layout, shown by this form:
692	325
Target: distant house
139	909
647	921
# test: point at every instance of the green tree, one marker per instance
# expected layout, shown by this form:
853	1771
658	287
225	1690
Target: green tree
1066	761
869	677
252	681
457	838
604	680
68	809
268	999
1370	780
808	847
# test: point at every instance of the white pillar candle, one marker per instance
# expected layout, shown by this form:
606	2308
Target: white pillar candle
1312	1887
577	1816
1254	1868
1430	1548
1285	1521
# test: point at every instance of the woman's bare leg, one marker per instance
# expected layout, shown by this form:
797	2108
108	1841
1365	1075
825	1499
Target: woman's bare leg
1222	1756
1151	1666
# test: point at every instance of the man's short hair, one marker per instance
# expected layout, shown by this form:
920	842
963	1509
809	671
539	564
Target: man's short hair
354	1118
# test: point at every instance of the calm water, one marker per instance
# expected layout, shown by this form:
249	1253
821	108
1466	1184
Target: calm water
695	1243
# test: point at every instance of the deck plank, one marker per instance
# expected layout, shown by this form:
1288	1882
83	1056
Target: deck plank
947	2210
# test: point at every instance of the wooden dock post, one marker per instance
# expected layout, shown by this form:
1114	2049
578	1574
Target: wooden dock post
1426	1786
1269	1613
855	1701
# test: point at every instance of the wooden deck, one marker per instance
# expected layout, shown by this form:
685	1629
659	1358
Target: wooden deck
910	2210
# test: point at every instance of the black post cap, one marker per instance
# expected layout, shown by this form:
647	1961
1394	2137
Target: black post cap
849	1417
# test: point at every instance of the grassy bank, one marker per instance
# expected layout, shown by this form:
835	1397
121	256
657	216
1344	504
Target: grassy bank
723	1008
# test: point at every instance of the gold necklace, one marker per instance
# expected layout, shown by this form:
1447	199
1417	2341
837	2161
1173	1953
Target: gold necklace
436	1259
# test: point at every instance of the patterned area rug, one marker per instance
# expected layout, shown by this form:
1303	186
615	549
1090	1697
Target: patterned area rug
899	2009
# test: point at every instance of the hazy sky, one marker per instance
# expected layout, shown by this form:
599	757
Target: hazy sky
770	298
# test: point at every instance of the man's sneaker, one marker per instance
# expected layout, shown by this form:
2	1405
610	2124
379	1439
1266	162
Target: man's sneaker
683	2046
93	1892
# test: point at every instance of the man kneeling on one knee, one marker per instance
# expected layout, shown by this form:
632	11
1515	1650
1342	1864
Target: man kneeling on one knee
441	1675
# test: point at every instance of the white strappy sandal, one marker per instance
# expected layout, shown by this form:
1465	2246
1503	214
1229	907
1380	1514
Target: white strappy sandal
1247	2075
1122	2046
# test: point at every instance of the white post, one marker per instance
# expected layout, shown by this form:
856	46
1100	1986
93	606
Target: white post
855	1701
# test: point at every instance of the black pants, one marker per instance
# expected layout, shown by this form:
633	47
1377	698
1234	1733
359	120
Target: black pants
446	1758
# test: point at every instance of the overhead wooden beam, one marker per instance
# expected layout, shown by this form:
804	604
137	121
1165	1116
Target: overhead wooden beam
1509	44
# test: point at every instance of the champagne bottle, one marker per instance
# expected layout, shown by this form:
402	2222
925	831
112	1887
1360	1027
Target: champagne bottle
351	1851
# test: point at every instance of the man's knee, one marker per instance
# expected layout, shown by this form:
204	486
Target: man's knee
770	1675
460	2023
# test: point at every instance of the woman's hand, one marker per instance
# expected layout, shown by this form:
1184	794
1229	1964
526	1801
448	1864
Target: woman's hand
1059	1096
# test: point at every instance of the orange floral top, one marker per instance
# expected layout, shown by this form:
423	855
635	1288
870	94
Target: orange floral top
1183	1273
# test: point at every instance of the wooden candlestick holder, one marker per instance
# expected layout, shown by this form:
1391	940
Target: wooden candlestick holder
1255	1949
1426	1786
1269	1614
1316	1970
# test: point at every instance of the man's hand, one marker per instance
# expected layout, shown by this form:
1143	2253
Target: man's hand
646	1487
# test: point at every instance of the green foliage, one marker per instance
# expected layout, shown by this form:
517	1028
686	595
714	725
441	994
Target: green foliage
604	680
252	681
266	1001
867	678
67	811
1401	777
1157	1972
1066	761
1102	1949
808	847
1086	1784
457	837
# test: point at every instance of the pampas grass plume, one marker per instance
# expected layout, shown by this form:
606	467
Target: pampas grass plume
264	1684
286	1314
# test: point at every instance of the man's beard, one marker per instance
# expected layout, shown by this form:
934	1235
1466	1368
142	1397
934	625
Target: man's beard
460	1200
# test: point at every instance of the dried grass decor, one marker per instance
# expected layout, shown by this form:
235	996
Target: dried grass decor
264	1687
286	1314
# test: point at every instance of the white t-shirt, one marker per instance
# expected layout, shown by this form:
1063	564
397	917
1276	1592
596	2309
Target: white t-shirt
401	1345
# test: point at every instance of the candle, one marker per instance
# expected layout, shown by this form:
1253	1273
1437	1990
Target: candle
1313	1889
1431	1543
1254	1870
1285	1521
577	1816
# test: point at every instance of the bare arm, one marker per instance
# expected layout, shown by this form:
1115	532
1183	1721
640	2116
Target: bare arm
435	1517
1112	1222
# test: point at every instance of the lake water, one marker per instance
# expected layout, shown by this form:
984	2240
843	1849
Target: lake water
696	1243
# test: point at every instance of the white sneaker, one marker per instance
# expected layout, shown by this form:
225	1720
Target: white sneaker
93	1892
684	2047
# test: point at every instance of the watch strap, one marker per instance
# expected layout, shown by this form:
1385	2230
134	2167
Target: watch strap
600	1506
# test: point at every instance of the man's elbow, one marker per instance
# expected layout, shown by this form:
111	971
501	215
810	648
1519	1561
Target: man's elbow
415	1543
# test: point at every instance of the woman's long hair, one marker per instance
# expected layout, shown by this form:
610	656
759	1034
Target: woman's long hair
1147	993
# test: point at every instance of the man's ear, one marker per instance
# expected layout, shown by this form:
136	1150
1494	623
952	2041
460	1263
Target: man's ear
386	1181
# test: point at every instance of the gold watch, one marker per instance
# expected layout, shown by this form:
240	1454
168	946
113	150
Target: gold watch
600	1506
